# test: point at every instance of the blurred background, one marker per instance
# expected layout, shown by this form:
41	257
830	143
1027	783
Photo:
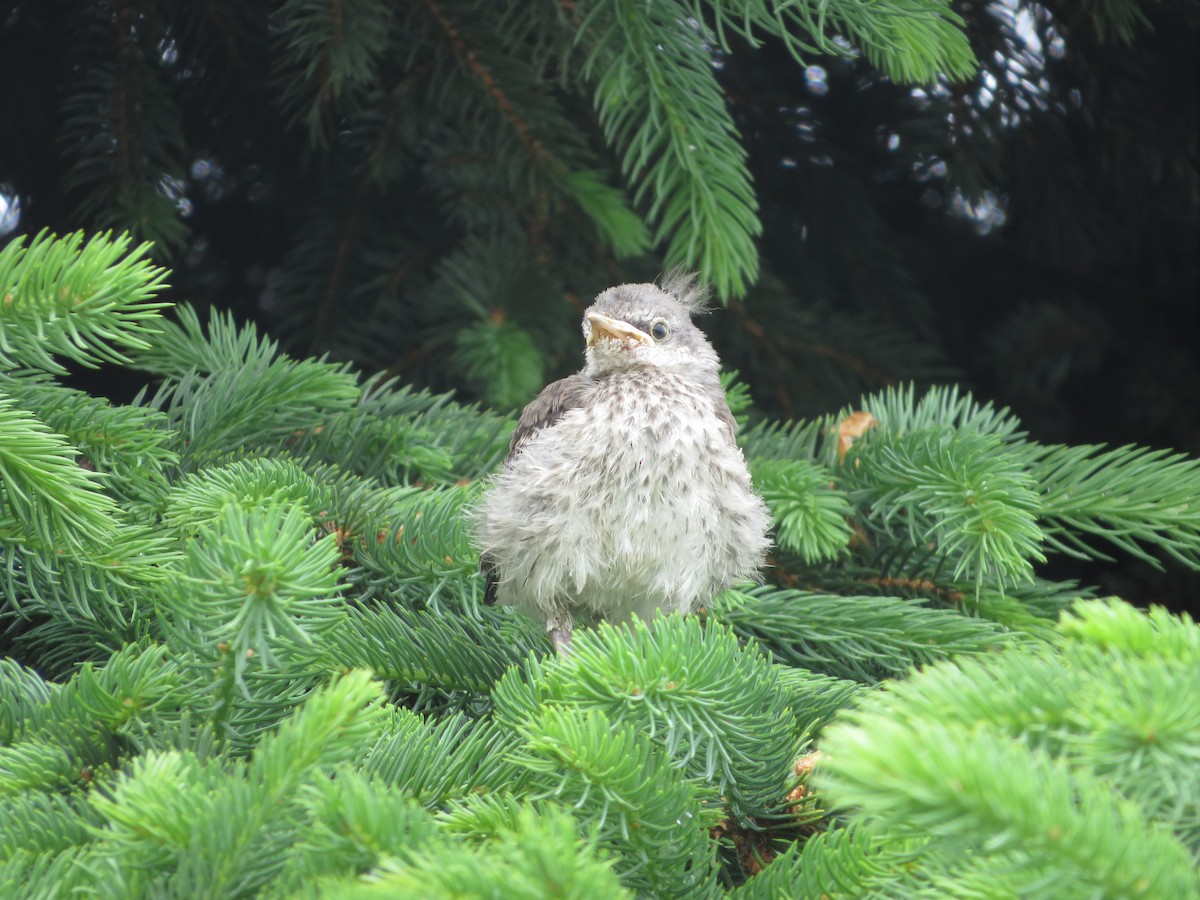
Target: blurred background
1002	195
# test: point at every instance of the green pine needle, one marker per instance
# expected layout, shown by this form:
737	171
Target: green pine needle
89	302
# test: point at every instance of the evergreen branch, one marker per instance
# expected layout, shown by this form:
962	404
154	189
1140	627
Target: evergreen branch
21	691
395	447
121	126
1117	21
191	822
886	568
737	395
811	515
1117	626
492	279
152	810
658	101
198	502
40	823
86	607
229	390
1128	496
716	708
395	435
51	500
911	40
328	50
184	348
331	727
975	790
549	142
962	492
1030	608
815	699
1144	740
608	209
900	411
351	225
85	301
60	742
469	57
467	430
437	762
136	684
487	815
127	446
422	535
231	716
355	824
542	847
380	142
29	874
502	358
254	583
642	812
772	439
843	862
451	653
71	611
38	766
845	353
860	638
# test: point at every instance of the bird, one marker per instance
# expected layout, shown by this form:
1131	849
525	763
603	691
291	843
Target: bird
624	492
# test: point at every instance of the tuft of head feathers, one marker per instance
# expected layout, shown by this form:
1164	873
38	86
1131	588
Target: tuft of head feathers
687	288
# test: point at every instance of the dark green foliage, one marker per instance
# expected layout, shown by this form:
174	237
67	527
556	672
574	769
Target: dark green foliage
1015	756
881	192
846	862
861	638
717	710
246	654
812	517
1088	489
606	771
230	390
87	302
538	852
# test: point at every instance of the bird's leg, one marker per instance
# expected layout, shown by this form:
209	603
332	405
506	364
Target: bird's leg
560	634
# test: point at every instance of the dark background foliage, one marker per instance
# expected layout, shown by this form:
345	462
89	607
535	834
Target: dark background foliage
1030	231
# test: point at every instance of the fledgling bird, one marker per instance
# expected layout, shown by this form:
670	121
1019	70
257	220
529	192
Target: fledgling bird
624	491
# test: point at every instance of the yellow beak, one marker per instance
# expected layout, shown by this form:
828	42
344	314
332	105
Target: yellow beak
603	326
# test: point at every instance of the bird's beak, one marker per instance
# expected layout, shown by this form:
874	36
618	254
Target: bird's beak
603	326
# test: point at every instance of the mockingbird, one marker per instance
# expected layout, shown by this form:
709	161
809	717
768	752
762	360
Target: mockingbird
624	491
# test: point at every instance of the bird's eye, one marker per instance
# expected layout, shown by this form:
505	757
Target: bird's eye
659	330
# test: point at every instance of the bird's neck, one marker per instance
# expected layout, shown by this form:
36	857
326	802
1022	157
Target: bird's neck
700	377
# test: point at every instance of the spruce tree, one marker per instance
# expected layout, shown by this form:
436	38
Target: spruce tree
244	647
1002	194
247	654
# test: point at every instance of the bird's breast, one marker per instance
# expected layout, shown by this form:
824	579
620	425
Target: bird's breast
639	496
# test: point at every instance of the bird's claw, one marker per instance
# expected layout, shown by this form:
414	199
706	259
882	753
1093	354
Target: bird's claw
560	637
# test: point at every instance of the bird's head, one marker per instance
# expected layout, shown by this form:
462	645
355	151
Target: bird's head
647	326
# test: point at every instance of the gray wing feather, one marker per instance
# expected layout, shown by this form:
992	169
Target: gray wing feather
726	417
548	407
555	400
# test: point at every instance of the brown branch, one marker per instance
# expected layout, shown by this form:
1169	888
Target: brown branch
780	365
247	79
921	585
508	109
325	67
854	362
361	192
345	239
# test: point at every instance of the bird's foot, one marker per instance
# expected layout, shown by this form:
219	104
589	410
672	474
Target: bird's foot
560	637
